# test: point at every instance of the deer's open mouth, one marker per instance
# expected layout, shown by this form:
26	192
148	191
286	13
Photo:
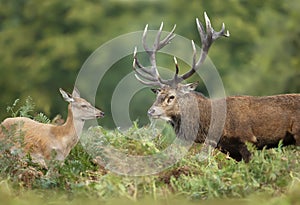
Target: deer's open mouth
162	117
154	116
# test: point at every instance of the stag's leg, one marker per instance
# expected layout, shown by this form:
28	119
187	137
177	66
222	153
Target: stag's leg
296	133
246	155
234	154
235	147
240	152
297	139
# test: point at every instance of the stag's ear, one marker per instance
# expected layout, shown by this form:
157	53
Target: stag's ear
67	97
190	86
155	90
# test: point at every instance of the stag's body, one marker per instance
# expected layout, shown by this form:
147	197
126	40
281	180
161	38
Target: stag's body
44	141
263	121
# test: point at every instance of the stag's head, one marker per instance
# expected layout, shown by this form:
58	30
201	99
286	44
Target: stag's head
169	100
171	93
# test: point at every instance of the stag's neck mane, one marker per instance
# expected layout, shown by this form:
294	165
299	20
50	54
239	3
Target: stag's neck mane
193	122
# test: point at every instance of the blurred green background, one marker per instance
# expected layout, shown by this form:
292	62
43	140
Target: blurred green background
45	43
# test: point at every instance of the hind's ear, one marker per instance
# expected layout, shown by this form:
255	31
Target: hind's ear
67	97
155	90
76	93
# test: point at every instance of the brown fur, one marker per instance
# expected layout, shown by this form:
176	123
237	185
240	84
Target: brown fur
263	121
43	141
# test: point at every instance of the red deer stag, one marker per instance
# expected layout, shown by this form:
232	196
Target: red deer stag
41	140
263	121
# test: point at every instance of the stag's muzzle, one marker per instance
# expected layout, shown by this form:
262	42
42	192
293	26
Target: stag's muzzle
156	112
151	111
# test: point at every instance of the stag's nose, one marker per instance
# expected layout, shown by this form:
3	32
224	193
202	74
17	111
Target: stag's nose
151	111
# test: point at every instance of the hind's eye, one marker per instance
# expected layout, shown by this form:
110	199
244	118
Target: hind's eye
84	106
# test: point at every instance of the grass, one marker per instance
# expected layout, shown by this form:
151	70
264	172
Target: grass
271	177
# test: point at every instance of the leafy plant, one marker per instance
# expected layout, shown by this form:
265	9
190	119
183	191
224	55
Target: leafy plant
23	110
41	117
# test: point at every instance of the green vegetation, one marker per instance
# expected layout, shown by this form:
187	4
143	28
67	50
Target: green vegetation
271	177
45	43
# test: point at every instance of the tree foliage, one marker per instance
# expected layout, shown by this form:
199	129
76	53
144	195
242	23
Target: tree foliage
45	43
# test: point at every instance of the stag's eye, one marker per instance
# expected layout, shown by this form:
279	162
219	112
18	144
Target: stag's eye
170	98
84	106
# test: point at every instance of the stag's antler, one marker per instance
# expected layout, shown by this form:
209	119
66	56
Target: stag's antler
152	75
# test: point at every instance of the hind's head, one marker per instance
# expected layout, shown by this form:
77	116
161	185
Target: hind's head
81	108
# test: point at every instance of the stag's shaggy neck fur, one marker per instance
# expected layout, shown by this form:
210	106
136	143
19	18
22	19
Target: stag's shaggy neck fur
192	122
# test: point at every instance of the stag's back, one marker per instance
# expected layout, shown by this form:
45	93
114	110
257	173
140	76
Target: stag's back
263	120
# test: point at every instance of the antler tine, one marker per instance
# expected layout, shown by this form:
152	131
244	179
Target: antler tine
157	39
177	69
159	44
168	38
152	53
137	63
187	75
221	33
209	29
194	53
207	38
146	76
142	71
144	38
176	66
153	83
152	73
